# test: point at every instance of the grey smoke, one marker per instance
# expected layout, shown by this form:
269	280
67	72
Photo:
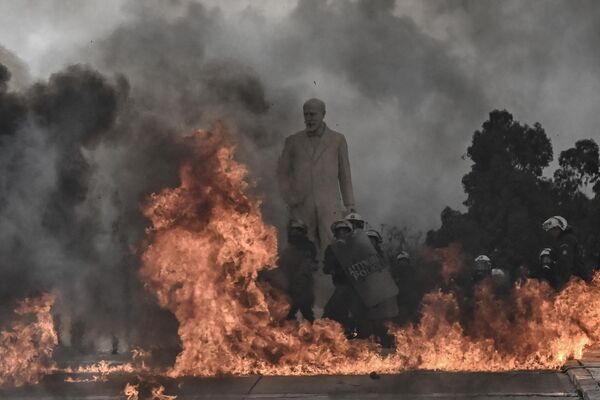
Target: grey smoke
402	98
407	82
19	72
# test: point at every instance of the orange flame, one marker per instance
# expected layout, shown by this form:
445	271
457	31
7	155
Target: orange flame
450	258
533	329
131	391
102	367
26	346
99	371
158	393
207	243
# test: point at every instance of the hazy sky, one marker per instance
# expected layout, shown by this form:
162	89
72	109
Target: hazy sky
407	82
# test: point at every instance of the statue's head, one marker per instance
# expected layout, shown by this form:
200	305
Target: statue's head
314	112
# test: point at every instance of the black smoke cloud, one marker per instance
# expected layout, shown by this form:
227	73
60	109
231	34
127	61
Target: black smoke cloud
46	177
395	91
190	64
75	109
407	82
67	227
85	148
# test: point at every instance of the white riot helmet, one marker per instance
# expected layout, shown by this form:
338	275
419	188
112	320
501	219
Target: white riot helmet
341	224
372	233
498	273
547	252
483	264
555	222
483	259
499	277
356	220
546	258
403	255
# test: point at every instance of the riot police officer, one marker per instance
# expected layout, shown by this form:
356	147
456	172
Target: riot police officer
358	222
376	240
566	253
337	308
298	263
483	268
411	288
369	289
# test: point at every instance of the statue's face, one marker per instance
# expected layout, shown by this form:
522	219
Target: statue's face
313	117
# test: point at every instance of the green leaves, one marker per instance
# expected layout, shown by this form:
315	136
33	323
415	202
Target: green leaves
579	167
508	198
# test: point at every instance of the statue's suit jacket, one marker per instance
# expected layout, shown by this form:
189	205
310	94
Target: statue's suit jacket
312	180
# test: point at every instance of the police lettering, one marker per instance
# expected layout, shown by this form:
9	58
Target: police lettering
364	268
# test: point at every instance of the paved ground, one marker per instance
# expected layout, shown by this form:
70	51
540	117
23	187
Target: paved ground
411	385
585	374
578	380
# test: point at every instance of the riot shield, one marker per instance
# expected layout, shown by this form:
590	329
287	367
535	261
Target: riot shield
366	271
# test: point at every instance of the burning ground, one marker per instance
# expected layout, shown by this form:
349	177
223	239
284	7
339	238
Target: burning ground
147	233
208	244
205	246
27	343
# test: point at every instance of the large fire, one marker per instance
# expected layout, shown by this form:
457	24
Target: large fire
208	242
26	345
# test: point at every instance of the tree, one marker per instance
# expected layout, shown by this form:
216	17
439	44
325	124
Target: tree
579	167
507	197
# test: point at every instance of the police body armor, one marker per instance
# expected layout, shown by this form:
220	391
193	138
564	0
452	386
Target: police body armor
366	271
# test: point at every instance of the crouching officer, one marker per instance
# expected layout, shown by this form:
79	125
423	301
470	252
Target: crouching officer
298	263
373	289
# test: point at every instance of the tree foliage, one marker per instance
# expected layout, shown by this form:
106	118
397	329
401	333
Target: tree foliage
579	167
508	196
